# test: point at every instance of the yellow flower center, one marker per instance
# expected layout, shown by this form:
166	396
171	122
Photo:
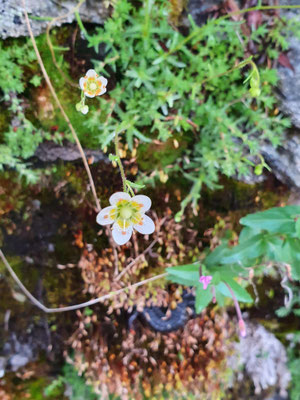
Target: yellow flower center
93	86
126	212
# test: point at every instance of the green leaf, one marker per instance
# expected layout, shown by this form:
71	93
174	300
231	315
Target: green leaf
277	219
134	185
240	293
36	80
220	298
247	232
297	227
113	157
203	298
216	256
249	249
274	248
184	274
290	254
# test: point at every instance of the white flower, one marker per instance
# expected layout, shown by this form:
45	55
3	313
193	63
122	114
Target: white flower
126	213
93	84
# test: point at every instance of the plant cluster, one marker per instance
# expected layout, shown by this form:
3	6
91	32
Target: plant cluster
267	236
144	364
19	137
178	90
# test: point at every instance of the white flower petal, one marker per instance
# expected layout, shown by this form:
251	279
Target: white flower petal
81	83
91	73
114	198
103	90
146	226
121	236
103	218
89	95
145	201
102	80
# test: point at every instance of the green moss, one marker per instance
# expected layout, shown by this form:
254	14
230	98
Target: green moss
157	156
67	94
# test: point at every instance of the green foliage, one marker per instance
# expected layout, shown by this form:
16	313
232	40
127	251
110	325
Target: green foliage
12	59
271	235
171	86
21	138
78	388
294	365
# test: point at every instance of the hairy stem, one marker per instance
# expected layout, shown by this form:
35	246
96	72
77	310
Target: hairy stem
75	306
119	162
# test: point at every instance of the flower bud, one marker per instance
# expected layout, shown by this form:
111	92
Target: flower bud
255	91
84	109
242	328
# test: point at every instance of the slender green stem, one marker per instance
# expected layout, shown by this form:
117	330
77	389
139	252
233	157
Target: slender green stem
119	162
130	190
80	24
240	65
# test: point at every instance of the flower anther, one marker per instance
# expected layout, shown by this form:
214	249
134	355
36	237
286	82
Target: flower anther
127	213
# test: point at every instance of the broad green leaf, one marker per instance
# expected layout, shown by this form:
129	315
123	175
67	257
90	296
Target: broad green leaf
247	232
273	248
291	255
220	298
216	257
184	274
277	219
240	293
297	227
249	249
203	298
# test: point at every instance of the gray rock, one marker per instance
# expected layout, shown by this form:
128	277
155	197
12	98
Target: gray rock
290	80
264	360
2	366
50	152
17	361
199	9
285	159
12	22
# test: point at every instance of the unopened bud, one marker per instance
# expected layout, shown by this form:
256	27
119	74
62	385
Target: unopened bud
84	109
242	328
255	91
